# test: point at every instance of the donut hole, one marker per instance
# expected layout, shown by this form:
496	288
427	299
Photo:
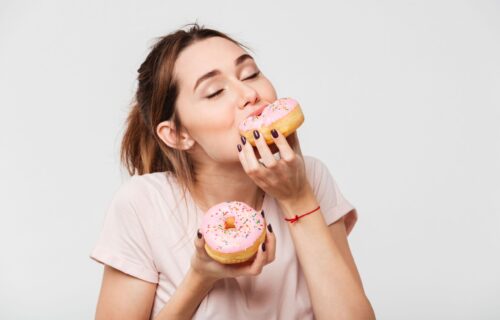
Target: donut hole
229	223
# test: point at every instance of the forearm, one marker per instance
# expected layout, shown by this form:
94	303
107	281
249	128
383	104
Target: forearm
335	289
187	297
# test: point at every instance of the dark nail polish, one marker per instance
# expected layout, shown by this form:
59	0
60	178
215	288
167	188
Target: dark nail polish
199	234
243	140
239	147
262	212
270	228
263	246
274	133
256	134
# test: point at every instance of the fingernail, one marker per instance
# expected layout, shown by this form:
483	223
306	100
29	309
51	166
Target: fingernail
256	134
274	133
262	212
239	147
199	234
270	228
263	246
243	140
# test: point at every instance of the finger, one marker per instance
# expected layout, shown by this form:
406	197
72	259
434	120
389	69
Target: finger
199	243
286	152
250	158
270	244
241	156
266	155
256	267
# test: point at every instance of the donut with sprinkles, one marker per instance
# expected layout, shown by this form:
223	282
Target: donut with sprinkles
233	231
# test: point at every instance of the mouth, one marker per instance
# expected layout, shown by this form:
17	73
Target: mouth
258	111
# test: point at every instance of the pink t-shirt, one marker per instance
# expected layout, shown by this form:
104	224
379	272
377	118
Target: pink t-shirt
149	231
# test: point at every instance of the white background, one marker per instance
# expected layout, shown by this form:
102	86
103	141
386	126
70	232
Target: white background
402	102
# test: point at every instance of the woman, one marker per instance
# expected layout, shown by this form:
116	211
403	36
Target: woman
182	140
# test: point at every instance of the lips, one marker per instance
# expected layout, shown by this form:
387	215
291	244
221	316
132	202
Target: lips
253	117
258	111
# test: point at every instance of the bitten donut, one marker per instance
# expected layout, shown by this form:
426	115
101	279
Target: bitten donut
233	232
284	115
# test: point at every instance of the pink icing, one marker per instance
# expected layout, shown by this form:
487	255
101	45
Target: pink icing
248	226
276	110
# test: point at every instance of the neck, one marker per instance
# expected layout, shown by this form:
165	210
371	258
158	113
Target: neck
217	183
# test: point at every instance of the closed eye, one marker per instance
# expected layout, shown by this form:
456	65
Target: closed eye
253	75
216	93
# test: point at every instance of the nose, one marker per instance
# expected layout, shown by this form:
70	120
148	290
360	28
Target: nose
248	95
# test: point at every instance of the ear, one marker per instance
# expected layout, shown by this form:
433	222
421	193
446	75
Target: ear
167	132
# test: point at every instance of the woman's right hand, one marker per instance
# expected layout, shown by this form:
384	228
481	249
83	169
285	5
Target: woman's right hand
213	270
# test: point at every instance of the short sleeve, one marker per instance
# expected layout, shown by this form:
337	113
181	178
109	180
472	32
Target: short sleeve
122	243
332	201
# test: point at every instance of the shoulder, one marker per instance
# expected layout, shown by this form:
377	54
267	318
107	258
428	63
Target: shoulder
142	190
315	168
333	203
148	182
152	182
311	162
319	176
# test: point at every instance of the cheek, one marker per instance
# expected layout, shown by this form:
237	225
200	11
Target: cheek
266	91
216	120
213	126
219	140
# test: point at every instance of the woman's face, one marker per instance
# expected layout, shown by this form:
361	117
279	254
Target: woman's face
219	86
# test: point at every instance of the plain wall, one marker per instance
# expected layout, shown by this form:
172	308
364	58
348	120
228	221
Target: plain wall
402	102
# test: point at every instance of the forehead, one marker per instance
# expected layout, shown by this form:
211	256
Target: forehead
204	56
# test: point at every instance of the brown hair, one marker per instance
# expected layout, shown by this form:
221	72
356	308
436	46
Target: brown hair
142	151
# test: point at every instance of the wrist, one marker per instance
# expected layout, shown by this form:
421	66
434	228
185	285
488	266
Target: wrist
306	201
200	279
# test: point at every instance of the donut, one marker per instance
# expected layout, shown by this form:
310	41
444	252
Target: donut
233	232
284	115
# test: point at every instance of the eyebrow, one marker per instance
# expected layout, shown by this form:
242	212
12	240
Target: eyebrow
215	72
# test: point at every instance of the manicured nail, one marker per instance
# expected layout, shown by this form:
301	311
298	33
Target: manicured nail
256	134
274	133
199	234
263	246
270	228
239	147
262	212
243	140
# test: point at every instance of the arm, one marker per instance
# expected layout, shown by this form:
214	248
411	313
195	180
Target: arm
333	283
126	297
187	297
332	278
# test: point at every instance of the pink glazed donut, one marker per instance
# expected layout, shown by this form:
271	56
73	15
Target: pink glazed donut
233	232
284	115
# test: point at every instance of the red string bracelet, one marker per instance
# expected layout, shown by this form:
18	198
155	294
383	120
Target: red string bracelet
296	218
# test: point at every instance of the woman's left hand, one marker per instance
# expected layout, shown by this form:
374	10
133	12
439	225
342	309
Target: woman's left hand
284	179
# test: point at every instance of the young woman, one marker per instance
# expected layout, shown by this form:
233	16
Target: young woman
184	152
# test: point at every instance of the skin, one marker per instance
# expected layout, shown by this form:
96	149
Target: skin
210	134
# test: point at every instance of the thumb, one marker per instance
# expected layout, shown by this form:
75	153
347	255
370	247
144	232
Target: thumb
199	243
